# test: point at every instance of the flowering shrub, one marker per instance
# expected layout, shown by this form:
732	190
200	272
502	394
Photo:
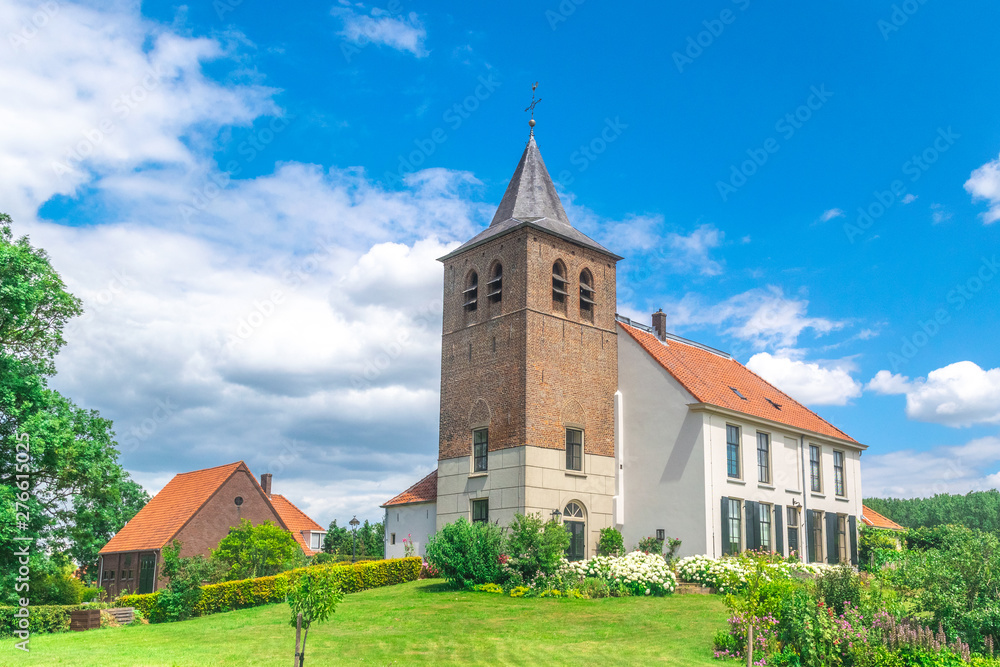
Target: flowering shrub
428	571
637	572
729	575
733	644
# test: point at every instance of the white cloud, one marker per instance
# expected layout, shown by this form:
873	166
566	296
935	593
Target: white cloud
984	183
812	383
909	198
102	92
939	214
762	317
691	252
974	466
290	320
960	394
831	214
403	32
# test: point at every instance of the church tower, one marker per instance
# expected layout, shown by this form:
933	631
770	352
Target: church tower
529	367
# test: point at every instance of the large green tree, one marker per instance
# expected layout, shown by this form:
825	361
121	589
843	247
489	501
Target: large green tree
73	493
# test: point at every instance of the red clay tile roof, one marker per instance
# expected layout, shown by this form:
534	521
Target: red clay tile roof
158	522
424	491
872	518
711	378
296	520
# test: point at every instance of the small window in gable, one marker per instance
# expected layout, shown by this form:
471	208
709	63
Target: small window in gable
560	286
494	287
470	295
587	295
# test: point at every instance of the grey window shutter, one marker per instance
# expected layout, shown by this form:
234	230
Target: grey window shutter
810	547
853	527
832	556
779	529
753	525
725	526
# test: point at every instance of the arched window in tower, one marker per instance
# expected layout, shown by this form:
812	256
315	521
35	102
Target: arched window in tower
587	302
559	286
494	287
470	295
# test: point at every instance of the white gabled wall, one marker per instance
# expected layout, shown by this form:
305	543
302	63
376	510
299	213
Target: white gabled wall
418	520
663	473
674	465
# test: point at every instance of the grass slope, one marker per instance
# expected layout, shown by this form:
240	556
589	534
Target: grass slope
416	623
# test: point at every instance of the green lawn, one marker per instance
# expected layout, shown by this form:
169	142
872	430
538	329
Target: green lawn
416	623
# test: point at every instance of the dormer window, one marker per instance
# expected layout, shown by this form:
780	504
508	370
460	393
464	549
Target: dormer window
494	288
559	286
587	295
470	295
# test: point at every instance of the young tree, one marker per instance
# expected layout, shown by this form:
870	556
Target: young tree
250	551
315	595
177	601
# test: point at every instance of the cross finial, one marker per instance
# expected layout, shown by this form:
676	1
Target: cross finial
531	108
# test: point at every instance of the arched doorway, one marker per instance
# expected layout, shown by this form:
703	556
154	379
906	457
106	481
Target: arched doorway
575	520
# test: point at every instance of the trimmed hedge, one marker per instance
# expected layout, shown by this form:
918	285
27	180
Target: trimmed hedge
41	618
246	593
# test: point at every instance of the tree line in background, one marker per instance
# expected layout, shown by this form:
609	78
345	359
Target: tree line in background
979	510
67	493
339	540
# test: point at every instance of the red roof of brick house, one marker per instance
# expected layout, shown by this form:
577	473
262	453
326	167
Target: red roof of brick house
872	518
424	491
714	378
163	517
296	520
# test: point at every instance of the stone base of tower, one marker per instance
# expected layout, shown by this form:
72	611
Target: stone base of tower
529	480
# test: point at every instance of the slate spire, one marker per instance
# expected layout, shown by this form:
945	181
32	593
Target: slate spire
531	200
531	194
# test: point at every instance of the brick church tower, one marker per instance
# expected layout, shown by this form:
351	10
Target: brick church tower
529	367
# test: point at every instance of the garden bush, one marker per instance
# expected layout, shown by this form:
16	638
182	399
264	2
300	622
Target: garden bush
838	587
533	548
230	595
41	618
610	542
638	573
467	553
650	545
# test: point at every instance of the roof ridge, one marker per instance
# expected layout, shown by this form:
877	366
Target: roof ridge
224	465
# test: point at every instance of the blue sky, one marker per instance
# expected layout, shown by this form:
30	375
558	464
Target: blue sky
250	201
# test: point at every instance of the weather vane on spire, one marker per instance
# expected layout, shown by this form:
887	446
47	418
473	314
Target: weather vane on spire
531	108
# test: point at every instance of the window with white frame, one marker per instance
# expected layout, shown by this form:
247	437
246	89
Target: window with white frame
480	510
480	449
574	449
764	510
838	473
815	479
733	451
763	458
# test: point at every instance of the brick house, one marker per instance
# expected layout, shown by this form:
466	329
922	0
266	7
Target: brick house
197	508
552	403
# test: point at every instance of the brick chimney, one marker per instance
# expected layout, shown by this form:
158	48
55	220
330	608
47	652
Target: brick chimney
660	324
265	483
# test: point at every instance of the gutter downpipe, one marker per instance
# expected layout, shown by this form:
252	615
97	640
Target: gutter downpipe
802	519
